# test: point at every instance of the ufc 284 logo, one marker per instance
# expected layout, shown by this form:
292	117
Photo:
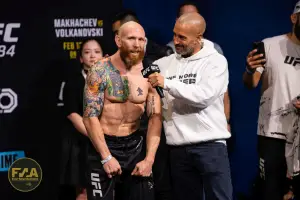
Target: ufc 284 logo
8	100
8	38
96	183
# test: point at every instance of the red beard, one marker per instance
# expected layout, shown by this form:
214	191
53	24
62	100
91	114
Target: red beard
129	58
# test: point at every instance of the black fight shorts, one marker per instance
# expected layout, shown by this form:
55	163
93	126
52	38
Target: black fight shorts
128	151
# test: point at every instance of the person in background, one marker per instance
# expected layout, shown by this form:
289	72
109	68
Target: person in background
74	133
161	168
190	7
293	151
275	64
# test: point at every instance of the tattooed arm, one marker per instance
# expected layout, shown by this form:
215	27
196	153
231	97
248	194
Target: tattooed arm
144	168
154	123
93	104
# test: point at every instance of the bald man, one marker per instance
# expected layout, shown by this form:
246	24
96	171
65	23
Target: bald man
194	80
115	95
191	7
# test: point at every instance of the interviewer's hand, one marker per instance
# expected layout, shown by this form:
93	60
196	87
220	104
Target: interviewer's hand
255	61
112	168
156	79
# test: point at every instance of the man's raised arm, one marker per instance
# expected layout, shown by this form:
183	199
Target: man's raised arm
213	83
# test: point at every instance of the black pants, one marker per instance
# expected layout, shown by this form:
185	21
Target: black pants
272	169
296	186
199	168
128	151
161	171
161	166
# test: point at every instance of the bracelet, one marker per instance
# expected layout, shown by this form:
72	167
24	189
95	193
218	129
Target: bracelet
249	71
106	159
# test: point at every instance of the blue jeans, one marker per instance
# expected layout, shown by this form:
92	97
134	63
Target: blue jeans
199	168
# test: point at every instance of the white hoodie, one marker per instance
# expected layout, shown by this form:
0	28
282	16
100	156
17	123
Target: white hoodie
194	88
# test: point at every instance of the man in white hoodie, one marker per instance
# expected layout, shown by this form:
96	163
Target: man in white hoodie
191	7
194	80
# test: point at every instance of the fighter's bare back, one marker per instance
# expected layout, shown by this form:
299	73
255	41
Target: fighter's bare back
119	97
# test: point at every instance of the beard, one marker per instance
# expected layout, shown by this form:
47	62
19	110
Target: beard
297	29
184	50
131	57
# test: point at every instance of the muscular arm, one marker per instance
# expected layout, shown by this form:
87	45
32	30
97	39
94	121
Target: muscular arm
154	123
93	105
77	122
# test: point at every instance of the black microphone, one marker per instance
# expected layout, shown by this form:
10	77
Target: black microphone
152	68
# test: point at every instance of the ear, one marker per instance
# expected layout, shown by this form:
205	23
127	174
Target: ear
199	37
118	40
294	18
81	60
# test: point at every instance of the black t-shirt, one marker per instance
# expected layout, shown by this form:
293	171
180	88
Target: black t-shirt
154	52
73	93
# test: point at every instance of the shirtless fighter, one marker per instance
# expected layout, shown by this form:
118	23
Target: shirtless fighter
114	100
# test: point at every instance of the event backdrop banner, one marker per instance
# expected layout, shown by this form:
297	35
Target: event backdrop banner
38	48
68	29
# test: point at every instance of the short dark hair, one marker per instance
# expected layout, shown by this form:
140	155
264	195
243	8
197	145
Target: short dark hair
125	16
186	3
86	41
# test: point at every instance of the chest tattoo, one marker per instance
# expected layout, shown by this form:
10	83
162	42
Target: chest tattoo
140	91
117	85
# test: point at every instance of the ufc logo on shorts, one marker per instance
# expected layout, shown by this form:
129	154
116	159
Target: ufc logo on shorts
96	183
8	100
262	168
